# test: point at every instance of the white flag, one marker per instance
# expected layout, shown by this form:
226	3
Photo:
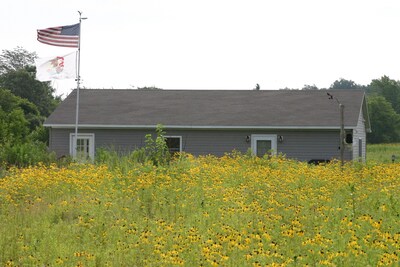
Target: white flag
59	67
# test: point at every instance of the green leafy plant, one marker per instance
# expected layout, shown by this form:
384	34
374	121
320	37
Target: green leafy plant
156	149
25	154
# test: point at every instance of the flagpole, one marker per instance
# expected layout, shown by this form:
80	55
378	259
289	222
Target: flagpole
78	79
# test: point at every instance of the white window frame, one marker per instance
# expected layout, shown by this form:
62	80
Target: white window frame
89	136
176	136
261	137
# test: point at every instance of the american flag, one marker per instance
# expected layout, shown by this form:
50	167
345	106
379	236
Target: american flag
65	36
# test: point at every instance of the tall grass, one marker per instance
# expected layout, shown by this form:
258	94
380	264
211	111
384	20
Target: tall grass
206	211
23	155
383	153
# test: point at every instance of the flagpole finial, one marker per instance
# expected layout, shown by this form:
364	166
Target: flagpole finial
80	15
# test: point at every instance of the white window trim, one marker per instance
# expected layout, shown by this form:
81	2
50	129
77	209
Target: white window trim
176	136
90	136
269	137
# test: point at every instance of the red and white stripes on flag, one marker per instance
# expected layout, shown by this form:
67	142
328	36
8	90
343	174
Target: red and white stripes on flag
64	36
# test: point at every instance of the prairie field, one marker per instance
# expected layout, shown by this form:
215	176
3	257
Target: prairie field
383	153
203	211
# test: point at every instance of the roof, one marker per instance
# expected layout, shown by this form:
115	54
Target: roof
129	108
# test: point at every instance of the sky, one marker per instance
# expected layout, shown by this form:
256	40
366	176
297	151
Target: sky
215	44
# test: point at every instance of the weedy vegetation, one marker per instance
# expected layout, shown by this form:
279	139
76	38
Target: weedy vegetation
236	210
383	153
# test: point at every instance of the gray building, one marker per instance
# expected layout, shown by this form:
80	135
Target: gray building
301	124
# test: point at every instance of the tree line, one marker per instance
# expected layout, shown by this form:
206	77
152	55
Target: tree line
25	102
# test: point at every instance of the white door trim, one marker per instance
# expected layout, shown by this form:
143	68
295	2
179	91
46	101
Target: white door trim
90	136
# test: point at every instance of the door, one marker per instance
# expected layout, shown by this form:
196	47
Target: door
262	144
83	150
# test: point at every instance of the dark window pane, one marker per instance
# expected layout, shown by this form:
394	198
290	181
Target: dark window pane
263	147
173	144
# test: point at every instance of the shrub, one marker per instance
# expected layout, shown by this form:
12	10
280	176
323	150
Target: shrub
25	154
157	150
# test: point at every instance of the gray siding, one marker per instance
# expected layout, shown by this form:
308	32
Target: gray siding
300	145
118	139
359	133
307	145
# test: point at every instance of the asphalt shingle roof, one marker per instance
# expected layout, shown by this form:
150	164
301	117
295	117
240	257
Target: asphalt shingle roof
210	108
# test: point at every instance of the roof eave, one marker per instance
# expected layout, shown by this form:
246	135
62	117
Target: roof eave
194	127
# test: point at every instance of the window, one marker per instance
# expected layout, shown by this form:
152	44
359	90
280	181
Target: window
174	144
262	144
84	149
349	138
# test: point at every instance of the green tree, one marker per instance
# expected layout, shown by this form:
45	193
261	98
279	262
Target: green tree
22	138
149	88
309	87
345	84
16	59
10	102
18	115
14	127
17	74
22	83
389	89
384	120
